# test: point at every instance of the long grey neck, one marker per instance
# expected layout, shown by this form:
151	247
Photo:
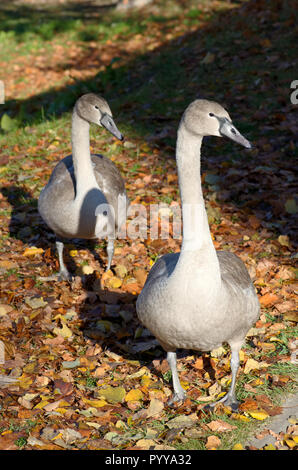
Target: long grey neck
83	169
197	246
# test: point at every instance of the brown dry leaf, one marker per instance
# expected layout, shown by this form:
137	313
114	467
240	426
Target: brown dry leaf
155	407
199	363
284	240
140	275
121	271
132	288
264	267
269	299
249	404
146	444
161	366
5	309
285	273
254	222
220	426
6	264
286	306
213	442
251	364
7	441
291	316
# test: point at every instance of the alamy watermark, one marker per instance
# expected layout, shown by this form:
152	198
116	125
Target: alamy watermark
154	221
294	94
2	352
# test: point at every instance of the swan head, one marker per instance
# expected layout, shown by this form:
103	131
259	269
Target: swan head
203	118
95	109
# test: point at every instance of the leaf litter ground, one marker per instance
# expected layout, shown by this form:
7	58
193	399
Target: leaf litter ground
84	373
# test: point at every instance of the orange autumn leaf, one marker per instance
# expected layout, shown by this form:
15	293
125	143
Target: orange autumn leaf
31	251
213	442
268	299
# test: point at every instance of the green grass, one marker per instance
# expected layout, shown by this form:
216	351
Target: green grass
245	429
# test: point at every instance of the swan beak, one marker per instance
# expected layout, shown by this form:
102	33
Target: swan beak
228	130
108	122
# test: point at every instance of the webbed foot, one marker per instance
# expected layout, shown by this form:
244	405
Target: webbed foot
178	396
227	400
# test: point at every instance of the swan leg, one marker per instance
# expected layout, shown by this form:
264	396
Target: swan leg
110	252
179	393
64	274
230	398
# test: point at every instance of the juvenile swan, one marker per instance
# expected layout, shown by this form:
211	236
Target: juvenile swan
199	298
85	196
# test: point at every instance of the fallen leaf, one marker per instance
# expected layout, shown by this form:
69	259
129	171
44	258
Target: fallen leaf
238	446
155	407
64	331
5	309
259	415
112	394
285	273
7	441
286	306
218	352
70	435
33	250
121	271
146	444
269	447
95	403
182	421
134	395
5	264
87	269
114	282
291	316
213	442
284	240
251	364
138	374
268	299
220	426
33	441
35	302
254	222
140	275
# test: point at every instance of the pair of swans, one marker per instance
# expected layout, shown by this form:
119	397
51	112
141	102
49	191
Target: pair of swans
196	299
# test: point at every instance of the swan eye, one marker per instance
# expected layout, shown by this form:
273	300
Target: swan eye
211	114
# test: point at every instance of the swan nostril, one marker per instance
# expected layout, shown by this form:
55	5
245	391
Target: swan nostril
233	131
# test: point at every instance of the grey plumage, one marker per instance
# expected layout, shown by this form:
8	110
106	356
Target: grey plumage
199	298
81	183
